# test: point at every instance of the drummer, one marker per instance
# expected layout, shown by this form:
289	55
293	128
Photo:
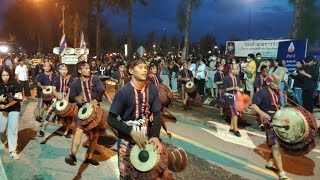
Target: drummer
61	85
45	79
265	103
153	76
87	88
218	80
185	76
135	101
230	86
119	75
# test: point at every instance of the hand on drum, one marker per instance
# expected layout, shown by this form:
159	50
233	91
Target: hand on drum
95	104
79	99
265	117
138	139
157	143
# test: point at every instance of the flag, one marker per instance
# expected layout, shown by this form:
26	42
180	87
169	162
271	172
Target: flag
63	44
82	41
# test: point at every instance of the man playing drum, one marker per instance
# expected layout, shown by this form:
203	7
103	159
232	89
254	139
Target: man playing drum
134	103
45	79
230	86
85	89
185	76
265	103
119	77
61	85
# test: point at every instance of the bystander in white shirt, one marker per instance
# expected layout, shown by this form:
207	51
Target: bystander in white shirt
22	72
201	71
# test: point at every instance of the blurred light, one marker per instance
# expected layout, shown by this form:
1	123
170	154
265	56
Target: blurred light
110	54
4	49
145	54
154	46
94	57
216	47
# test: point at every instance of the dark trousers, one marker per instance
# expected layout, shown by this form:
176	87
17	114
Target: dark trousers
26	88
200	85
307	98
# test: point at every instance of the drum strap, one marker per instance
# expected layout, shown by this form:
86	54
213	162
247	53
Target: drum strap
221	76
155	79
64	82
234	80
88	89
274	99
186	73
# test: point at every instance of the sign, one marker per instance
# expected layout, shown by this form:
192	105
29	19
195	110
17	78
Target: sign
141	51
36	61
71	51
267	48
292	51
70	59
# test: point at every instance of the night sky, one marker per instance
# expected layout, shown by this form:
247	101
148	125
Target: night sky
223	18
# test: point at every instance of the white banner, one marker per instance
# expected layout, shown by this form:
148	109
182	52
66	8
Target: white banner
267	48
70	59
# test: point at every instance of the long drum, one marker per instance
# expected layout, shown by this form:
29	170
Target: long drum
165	95
47	94
147	163
296	130
190	87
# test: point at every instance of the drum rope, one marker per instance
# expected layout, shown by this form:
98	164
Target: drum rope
88	89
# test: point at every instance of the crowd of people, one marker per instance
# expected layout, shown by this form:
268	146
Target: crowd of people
267	82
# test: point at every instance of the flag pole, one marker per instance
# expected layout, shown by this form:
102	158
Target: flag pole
63	9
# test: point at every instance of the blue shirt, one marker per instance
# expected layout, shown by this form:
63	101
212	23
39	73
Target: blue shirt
124	102
45	79
97	89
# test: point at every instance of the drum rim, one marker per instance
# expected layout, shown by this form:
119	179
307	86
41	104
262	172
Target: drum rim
135	149
64	101
90	109
305	121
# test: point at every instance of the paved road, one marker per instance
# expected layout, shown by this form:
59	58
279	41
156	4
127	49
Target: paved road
199	131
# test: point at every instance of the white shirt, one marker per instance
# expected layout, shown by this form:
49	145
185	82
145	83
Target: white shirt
201	74
193	68
22	72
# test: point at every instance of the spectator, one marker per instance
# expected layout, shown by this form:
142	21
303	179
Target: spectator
310	76
250	71
297	84
22	76
200	77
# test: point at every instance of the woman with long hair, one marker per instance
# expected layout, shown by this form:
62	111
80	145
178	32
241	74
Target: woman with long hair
10	97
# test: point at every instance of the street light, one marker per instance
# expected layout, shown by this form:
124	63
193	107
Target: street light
154	48
4	49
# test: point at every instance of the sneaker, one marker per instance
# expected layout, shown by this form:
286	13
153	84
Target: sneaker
282	175
92	162
70	159
41	133
14	155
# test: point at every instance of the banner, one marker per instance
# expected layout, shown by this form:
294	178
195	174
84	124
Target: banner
69	59
267	48
292	51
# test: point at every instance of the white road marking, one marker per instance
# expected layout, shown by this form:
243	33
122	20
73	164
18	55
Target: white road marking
3	175
243	132
223	133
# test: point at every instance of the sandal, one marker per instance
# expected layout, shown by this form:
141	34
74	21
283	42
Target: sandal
92	162
271	168
71	160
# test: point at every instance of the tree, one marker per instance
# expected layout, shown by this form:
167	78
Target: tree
150	41
127	5
175	43
207	43
184	20
306	20
164	44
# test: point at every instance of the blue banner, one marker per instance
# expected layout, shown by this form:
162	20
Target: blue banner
292	51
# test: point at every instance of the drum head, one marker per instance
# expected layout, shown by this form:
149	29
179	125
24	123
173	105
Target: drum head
144	159
48	90
61	105
189	85
295	123
85	111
